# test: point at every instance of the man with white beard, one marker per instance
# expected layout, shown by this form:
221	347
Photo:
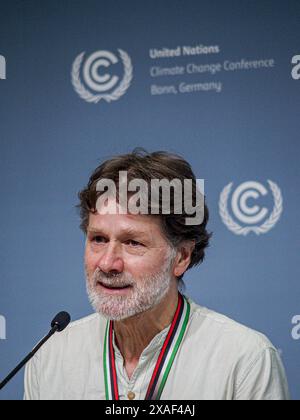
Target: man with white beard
146	339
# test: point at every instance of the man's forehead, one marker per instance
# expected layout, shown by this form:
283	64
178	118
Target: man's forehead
135	223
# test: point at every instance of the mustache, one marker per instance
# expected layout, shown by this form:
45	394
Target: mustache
112	279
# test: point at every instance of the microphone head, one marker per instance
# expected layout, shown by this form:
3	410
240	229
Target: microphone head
61	321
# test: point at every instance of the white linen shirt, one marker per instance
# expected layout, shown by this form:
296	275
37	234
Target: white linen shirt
218	359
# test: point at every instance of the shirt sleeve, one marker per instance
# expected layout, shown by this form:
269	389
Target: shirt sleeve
31	383
264	379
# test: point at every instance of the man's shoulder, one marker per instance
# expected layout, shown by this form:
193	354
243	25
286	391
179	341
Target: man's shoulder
81	325
79	335
84	323
222	330
244	361
85	326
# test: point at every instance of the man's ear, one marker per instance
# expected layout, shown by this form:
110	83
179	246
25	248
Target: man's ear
183	257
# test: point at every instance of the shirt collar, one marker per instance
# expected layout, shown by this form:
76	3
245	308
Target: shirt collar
154	345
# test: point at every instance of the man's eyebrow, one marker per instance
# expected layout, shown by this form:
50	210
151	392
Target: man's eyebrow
92	229
127	231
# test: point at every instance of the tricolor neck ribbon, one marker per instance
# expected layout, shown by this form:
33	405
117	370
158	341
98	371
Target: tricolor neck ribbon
165	359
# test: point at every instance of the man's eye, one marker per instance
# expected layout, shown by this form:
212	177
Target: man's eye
133	243
98	239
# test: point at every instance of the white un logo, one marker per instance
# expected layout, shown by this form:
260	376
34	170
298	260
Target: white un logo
93	77
254	217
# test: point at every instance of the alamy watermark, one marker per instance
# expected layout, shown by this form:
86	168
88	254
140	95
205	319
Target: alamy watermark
2	67
162	196
296	67
2	328
296	328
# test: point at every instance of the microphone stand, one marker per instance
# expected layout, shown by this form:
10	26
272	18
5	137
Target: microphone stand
53	330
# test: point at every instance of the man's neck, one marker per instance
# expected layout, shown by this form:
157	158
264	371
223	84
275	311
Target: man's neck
134	334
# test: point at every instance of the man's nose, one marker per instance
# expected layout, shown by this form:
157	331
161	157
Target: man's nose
111	259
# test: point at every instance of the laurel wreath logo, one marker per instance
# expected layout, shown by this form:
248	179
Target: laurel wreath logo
265	227
108	97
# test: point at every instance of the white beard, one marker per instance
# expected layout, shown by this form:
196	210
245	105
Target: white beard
144	295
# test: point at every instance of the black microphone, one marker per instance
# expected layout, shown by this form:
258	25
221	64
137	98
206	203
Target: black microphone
59	323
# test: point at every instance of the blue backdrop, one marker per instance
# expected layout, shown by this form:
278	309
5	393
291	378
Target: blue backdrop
216	81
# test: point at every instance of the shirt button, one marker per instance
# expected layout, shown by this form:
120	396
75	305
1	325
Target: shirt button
131	395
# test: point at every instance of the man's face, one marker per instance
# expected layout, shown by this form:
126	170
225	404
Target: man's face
128	263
